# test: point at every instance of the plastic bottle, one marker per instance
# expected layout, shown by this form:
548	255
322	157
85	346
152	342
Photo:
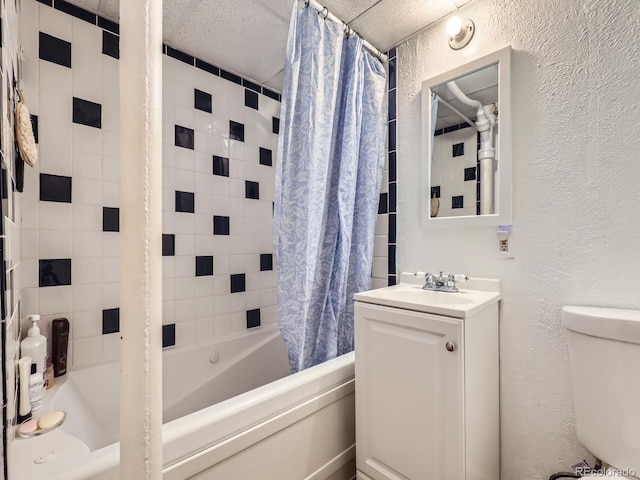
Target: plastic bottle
24	368
36	389
34	345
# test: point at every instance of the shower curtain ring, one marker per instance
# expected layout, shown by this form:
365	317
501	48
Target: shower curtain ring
325	12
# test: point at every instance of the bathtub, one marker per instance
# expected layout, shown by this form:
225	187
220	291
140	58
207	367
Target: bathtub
230	410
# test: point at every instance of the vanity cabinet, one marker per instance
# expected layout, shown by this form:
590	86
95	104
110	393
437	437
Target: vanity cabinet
427	394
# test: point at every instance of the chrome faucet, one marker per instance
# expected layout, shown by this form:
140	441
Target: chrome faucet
439	284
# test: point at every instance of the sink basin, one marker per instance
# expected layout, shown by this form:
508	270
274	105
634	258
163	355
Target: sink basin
477	295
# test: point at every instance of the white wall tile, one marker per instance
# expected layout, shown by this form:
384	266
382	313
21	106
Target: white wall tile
87	351
54	244
55	300
56	23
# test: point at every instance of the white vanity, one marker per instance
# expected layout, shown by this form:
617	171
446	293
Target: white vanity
427	382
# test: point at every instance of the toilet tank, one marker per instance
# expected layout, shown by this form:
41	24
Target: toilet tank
604	352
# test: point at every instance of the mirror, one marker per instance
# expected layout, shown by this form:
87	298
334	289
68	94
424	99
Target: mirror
467	144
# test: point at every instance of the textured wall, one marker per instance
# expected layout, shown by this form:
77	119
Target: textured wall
576	238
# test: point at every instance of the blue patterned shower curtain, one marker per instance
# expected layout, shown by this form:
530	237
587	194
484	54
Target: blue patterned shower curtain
329	170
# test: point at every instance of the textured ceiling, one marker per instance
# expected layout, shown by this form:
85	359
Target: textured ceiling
248	36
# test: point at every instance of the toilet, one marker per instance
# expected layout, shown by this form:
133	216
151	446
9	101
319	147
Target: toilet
604	352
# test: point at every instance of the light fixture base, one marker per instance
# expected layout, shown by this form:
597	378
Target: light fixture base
464	37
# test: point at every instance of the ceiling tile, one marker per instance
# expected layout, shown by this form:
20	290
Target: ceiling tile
391	21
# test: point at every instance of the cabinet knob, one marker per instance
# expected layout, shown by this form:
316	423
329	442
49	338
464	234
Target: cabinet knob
450	346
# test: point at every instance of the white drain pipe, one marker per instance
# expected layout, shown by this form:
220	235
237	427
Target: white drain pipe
140	239
485	122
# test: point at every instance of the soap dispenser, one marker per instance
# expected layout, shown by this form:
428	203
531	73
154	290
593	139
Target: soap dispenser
34	345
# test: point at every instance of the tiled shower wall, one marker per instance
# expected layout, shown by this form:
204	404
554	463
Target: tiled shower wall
220	140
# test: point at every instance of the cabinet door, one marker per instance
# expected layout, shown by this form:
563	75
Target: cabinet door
409	411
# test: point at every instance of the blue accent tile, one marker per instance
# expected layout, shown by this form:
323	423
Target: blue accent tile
110	44
452	128
236	131
202	101
207	67
457	150
250	99
383	204
391	281
439	131
237	283
469	174
168	245
110	321
184	137
266	262
87	113
55	50
392	228
178	55
457	201
392	73
271	94
220	166
392	259
266	157
392	105
110	219
55	188
393	175
168	335
392	135
185	202
54	272
204	266
392	53
221	225
251	190
392	197
251	86
275	125
253	318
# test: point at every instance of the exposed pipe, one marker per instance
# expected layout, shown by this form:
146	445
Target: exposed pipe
485	121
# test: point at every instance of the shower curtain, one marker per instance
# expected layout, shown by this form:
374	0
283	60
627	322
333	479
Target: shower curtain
329	170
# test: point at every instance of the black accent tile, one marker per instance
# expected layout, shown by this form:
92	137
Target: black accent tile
164	48
383	204
478	170
232	77
168	245
113	27
457	201
478	191
275	125
464	125
393	164
251	190
220	166
271	94
251	86
392	280
392	105
435	192
110	44
34	126
110	320
220	225
207	67
236	131
184	137
451	128
250	99
266	157
392	259
75	11
266	262
178	55
54	272
392	53
185	202
393	195
55	50
202	101
392	228
469	174
253	318
46	2
204	266
168	335
477	208
110	219
439	131
237	283
392	136
392	73
87	113
55	188
457	149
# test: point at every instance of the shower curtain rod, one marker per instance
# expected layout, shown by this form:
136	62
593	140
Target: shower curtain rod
324	11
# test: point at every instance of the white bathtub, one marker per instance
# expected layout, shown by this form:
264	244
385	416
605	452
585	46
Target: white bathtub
218	425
